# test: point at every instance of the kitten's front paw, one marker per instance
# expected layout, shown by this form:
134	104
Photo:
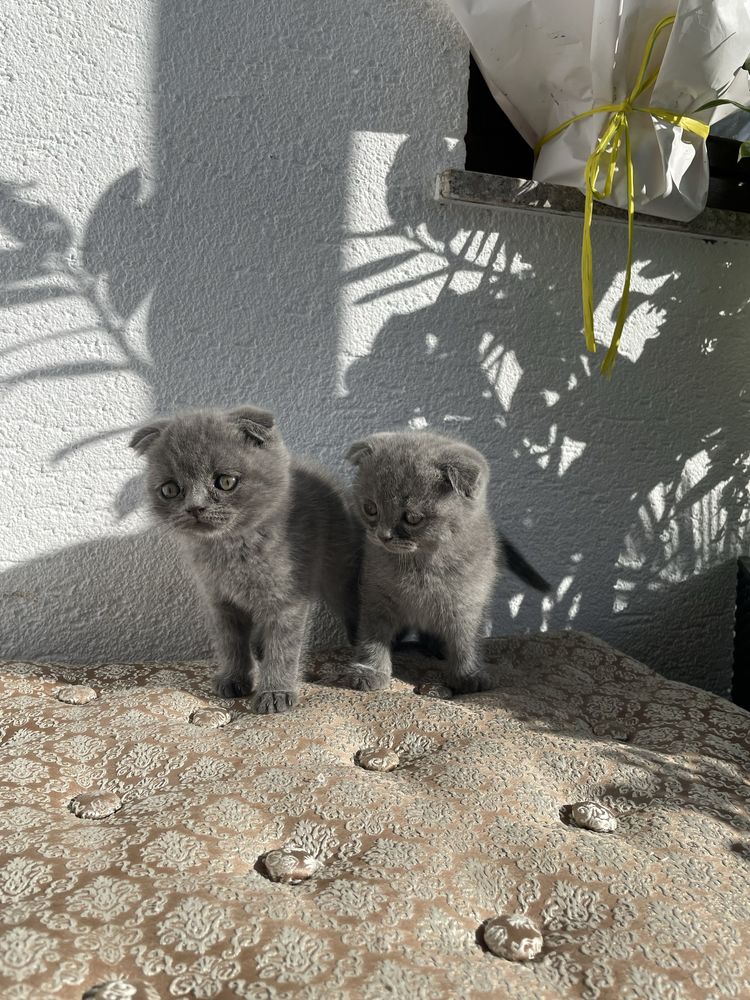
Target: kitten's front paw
232	685
271	702
362	678
480	680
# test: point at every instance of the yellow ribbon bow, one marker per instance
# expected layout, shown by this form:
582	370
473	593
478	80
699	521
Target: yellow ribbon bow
607	147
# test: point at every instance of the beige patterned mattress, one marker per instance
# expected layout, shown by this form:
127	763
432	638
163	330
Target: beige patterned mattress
169	895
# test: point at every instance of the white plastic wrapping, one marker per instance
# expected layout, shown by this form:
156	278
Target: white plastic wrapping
549	60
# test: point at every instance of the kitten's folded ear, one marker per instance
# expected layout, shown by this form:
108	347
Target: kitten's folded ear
255	424
464	469
359	450
144	437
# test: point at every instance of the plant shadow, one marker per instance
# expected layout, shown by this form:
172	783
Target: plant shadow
630	494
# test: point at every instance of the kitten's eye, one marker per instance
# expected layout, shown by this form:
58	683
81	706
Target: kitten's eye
369	508
169	490
226	483
412	518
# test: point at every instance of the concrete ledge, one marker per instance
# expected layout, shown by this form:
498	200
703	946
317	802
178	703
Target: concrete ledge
495	191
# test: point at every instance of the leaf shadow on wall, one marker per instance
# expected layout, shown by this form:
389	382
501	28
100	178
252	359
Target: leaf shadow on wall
630	494
99	599
496	349
76	602
213	279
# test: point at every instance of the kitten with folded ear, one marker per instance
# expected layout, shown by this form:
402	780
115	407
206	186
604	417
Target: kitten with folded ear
430	556
266	536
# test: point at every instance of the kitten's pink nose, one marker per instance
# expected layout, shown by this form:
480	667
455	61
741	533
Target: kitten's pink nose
196	511
385	534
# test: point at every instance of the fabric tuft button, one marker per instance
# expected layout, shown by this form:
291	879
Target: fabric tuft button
210	718
95	805
120	989
433	689
378	759
290	866
514	937
592	816
76	694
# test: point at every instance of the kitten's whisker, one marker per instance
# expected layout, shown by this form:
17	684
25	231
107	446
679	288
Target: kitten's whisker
167	529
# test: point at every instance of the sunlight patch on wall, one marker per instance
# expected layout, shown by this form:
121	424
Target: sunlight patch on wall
644	321
65	60
683	528
570	450
563	604
514	604
518	266
548	606
388	269
464	282
557	453
390	266
76	168
501	366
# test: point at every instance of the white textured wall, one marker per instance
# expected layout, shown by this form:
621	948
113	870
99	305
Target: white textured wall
213	202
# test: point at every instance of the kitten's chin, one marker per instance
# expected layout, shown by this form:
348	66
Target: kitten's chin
397	548
202	529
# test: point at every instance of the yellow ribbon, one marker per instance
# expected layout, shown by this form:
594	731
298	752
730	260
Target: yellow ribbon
615	134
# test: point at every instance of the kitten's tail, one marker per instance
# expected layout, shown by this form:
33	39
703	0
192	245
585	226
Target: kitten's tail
516	563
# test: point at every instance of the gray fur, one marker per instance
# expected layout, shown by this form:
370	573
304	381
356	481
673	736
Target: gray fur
262	553
436	577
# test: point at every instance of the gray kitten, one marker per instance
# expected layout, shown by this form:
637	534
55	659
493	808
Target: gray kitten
430	559
265	534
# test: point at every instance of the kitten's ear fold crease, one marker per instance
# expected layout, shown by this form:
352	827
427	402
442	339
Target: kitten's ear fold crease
359	450
465	470
144	437
256	424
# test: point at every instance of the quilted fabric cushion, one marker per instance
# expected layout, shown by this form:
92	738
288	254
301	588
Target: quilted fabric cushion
167	895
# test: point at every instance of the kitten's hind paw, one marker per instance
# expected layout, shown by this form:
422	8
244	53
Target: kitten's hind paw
480	680
362	678
232	686
272	702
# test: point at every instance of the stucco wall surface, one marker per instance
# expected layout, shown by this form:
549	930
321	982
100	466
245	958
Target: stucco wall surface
208	203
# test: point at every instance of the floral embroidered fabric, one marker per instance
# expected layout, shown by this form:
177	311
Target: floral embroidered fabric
169	894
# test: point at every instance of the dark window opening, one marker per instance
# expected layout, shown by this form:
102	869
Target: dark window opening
493	146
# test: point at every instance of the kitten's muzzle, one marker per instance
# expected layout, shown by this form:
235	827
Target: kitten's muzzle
391	544
197	520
